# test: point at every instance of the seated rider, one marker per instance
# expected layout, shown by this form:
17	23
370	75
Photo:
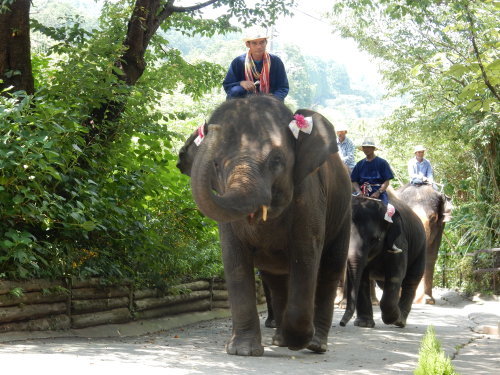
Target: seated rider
371	177
256	71
419	168
346	147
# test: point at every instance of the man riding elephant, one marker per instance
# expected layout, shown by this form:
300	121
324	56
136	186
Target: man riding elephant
369	259
434	210
275	183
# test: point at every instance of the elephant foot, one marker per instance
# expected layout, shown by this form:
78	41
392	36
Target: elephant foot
244	346
270	323
294	341
396	318
365	323
297	331
400	324
318	345
429	300
278	339
424	299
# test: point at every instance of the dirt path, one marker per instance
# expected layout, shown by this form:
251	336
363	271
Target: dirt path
199	348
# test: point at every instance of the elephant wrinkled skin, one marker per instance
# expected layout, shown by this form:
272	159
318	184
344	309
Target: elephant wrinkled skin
283	206
371	257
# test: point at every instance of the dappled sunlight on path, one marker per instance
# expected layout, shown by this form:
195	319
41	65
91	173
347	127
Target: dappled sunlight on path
199	348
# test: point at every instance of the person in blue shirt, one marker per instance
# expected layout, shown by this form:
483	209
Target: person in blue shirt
256	71
371	176
419	168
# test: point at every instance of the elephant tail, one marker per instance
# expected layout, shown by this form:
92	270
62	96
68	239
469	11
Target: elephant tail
347	316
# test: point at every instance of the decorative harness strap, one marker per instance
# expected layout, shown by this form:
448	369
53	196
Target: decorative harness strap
366	188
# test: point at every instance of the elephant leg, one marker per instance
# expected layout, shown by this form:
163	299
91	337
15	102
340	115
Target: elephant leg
331	272
408	290
340	297
270	321
306	246
373	293
352	286
389	304
364	310
278	289
410	285
432	254
240	280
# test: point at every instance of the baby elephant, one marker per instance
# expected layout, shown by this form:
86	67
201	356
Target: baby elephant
371	257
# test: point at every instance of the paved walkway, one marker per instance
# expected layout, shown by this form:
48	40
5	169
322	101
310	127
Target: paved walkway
467	331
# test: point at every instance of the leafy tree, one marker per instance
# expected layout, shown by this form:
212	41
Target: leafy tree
88	185
442	57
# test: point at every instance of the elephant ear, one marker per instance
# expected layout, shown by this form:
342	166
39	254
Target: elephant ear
188	151
312	150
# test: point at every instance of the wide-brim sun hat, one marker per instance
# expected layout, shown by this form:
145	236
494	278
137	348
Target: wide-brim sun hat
368	142
340	128
256	33
418	148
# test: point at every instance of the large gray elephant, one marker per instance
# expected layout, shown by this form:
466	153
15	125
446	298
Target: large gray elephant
434	210
283	206
371	257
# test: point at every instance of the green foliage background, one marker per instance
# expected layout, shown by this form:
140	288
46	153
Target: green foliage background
442	57
120	208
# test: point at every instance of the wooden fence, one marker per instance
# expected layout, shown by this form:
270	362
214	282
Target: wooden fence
490	267
40	305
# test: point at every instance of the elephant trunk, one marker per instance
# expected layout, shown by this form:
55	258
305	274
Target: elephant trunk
237	202
355	267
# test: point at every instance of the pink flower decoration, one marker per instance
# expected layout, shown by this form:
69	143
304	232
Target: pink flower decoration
201	131
301	121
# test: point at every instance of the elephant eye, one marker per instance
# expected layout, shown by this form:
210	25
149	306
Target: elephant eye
275	162
216	164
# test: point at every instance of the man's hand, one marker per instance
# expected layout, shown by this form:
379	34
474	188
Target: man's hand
248	85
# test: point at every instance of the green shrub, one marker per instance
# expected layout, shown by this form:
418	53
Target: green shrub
432	360
73	204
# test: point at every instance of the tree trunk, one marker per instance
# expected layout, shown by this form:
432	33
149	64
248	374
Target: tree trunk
143	24
15	55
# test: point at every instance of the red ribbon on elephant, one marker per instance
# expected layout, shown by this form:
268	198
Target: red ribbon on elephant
201	135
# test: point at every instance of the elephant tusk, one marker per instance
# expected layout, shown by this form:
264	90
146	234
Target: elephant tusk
264	213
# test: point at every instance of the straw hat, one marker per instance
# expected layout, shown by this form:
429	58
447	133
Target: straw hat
418	148
255	33
341	128
368	142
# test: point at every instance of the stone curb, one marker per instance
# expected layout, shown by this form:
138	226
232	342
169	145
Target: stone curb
136	328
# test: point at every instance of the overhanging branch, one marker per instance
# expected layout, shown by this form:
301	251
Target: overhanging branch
478	56
194	7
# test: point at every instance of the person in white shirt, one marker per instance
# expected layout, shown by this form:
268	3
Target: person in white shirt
346	147
419	168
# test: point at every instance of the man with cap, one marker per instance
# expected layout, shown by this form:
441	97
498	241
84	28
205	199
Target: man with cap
419	168
346	147
256	71
371	177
